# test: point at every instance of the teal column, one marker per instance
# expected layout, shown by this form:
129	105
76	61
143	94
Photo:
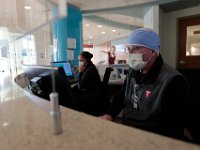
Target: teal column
68	27
75	29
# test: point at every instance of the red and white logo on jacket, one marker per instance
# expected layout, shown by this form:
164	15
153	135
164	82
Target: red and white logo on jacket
147	93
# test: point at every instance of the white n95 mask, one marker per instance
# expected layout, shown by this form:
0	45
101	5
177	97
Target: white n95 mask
81	63
136	62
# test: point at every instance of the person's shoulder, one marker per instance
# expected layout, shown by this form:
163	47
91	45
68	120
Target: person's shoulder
91	67
169	69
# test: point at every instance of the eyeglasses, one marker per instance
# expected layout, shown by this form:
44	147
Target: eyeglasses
133	48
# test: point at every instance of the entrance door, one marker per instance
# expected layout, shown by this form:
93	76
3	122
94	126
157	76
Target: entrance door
189	43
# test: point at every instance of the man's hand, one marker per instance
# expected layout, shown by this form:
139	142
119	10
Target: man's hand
106	117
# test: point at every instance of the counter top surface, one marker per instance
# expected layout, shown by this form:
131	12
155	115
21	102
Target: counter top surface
25	125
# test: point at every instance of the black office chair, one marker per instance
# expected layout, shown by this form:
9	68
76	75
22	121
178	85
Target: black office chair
105	82
104	99
106	77
121	61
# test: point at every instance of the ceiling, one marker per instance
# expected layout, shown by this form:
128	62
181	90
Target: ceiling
122	16
88	5
96	5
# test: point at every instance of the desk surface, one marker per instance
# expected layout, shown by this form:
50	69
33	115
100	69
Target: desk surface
119	65
26	126
116	82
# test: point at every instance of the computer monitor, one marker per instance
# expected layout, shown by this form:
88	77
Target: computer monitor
46	79
66	66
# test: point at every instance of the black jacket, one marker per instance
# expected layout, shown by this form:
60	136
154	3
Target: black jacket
162	96
89	80
88	94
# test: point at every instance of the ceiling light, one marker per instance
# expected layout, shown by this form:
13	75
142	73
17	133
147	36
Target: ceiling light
87	25
91	37
103	32
27	7
113	30
4	124
99	26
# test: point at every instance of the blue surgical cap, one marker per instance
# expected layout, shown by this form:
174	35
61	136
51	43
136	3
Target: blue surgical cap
145	37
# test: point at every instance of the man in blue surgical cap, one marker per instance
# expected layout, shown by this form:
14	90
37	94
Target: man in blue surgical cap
153	96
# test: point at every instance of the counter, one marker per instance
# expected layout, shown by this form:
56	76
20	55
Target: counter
25	124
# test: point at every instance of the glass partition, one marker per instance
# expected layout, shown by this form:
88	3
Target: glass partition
38	32
26	35
25	32
31	49
192	41
111	27
18	18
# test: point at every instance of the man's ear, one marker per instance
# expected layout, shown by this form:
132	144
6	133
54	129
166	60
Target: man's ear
155	53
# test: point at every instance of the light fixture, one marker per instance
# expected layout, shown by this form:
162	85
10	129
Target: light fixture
91	37
103	32
27	7
5	124
87	25
114	30
99	26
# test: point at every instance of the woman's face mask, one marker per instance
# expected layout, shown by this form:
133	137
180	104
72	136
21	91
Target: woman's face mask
135	60
81	63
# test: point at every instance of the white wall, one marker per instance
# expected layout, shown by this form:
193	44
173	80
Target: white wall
168	29
42	41
151	19
98	55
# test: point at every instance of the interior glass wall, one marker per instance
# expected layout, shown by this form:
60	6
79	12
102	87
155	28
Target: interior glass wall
25	34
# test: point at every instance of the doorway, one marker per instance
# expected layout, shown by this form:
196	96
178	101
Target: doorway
189	65
189	42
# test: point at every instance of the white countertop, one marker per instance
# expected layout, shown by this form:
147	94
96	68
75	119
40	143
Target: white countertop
26	126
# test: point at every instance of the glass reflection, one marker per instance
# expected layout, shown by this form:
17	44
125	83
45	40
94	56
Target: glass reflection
192	41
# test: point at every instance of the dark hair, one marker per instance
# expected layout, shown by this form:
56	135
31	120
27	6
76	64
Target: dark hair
114	47
87	55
